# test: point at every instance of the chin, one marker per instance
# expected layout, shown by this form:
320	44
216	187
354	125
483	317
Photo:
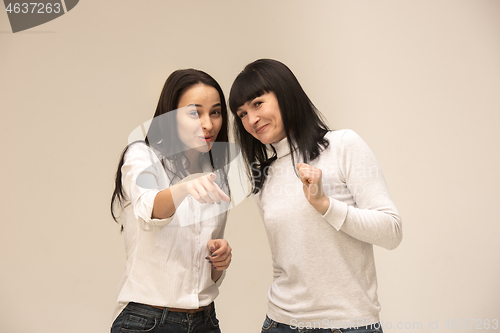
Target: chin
204	148
262	140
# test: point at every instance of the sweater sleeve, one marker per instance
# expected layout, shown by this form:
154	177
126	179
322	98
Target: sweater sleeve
142	179
277	271
373	218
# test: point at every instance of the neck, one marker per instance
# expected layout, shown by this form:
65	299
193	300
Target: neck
282	148
193	157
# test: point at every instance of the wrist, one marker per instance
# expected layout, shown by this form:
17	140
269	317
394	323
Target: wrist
179	190
216	274
322	204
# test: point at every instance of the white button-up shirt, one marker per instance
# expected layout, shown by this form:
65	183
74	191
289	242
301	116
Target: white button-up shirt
166	263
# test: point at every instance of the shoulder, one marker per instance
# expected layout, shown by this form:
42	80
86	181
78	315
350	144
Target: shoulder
342	138
139	150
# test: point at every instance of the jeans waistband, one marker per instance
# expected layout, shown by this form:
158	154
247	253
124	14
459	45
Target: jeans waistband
171	315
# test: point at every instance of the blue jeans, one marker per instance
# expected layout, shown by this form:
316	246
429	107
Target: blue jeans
137	318
271	326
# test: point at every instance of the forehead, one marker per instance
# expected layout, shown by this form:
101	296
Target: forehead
267	95
199	93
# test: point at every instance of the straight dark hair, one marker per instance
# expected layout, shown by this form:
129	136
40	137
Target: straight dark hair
163	136
304	127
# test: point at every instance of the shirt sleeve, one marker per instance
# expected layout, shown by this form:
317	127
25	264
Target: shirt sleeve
142	179
220	235
373	218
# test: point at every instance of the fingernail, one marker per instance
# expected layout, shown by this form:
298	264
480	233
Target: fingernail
212	248
214	255
215	267
210	261
207	258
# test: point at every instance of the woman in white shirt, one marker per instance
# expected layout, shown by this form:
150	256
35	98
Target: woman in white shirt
171	199
324	203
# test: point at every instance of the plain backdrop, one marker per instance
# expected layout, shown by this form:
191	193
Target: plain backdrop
418	80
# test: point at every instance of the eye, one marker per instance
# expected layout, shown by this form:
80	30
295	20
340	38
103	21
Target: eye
242	114
216	113
193	113
257	104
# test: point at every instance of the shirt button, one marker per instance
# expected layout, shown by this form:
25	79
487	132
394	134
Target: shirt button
195	291
197	238
197	213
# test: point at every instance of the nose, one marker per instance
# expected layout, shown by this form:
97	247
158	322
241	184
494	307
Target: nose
253	118
206	122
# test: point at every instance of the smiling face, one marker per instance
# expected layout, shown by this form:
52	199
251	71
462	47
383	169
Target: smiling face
261	117
199	117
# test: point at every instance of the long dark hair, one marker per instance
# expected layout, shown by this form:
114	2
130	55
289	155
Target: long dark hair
304	127
161	132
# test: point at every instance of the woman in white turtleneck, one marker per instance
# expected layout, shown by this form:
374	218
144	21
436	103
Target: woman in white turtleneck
324	202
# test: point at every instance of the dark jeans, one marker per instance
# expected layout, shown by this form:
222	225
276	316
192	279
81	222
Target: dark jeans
137	318
271	326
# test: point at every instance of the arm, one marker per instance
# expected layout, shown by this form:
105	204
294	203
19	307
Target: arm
373	218
168	199
220	254
143	178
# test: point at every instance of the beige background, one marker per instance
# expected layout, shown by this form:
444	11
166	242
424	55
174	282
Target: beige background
418	80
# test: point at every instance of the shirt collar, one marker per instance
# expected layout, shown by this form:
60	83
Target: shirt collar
282	148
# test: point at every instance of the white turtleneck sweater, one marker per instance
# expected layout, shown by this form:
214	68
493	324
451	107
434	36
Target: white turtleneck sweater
324	269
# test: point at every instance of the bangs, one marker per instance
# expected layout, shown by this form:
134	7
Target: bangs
248	85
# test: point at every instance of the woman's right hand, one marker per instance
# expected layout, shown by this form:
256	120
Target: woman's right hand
205	190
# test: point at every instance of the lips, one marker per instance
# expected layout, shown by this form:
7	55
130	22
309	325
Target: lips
206	138
261	129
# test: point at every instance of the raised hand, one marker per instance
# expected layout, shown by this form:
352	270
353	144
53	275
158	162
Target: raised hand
311	179
205	190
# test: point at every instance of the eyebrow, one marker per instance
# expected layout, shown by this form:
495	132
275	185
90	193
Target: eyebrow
200	106
247	103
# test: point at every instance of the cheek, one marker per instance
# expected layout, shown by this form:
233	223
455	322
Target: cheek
245	126
186	127
181	130
279	120
217	124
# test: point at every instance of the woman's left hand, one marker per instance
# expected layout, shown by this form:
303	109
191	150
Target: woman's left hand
311	179
221	255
